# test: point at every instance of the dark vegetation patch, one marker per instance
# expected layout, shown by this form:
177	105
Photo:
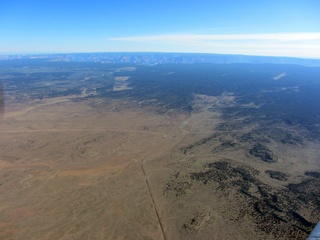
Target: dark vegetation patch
292	101
227	145
292	139
262	130
281	176
313	174
194	145
254	136
222	170
269	208
30	80
262	152
279	133
227	175
307	191
217	142
301	219
177	186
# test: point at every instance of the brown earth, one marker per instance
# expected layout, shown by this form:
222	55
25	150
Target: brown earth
104	169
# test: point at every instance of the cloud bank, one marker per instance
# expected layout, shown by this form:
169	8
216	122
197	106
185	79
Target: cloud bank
271	44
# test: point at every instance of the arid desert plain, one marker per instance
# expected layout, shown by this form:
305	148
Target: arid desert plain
114	160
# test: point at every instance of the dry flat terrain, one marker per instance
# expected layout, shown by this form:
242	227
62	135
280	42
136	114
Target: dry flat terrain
72	172
85	166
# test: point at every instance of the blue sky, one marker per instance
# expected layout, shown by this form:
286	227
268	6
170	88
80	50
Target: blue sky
254	27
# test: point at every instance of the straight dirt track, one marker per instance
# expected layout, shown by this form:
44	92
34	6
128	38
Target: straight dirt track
55	161
69	170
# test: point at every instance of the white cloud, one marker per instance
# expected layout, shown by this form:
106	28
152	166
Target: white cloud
271	44
200	37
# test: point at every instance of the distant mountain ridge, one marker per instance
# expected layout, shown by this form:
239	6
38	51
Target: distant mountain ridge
149	58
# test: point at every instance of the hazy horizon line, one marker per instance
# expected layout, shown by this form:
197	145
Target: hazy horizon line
3	54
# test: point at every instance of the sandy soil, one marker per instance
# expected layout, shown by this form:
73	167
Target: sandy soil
69	171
